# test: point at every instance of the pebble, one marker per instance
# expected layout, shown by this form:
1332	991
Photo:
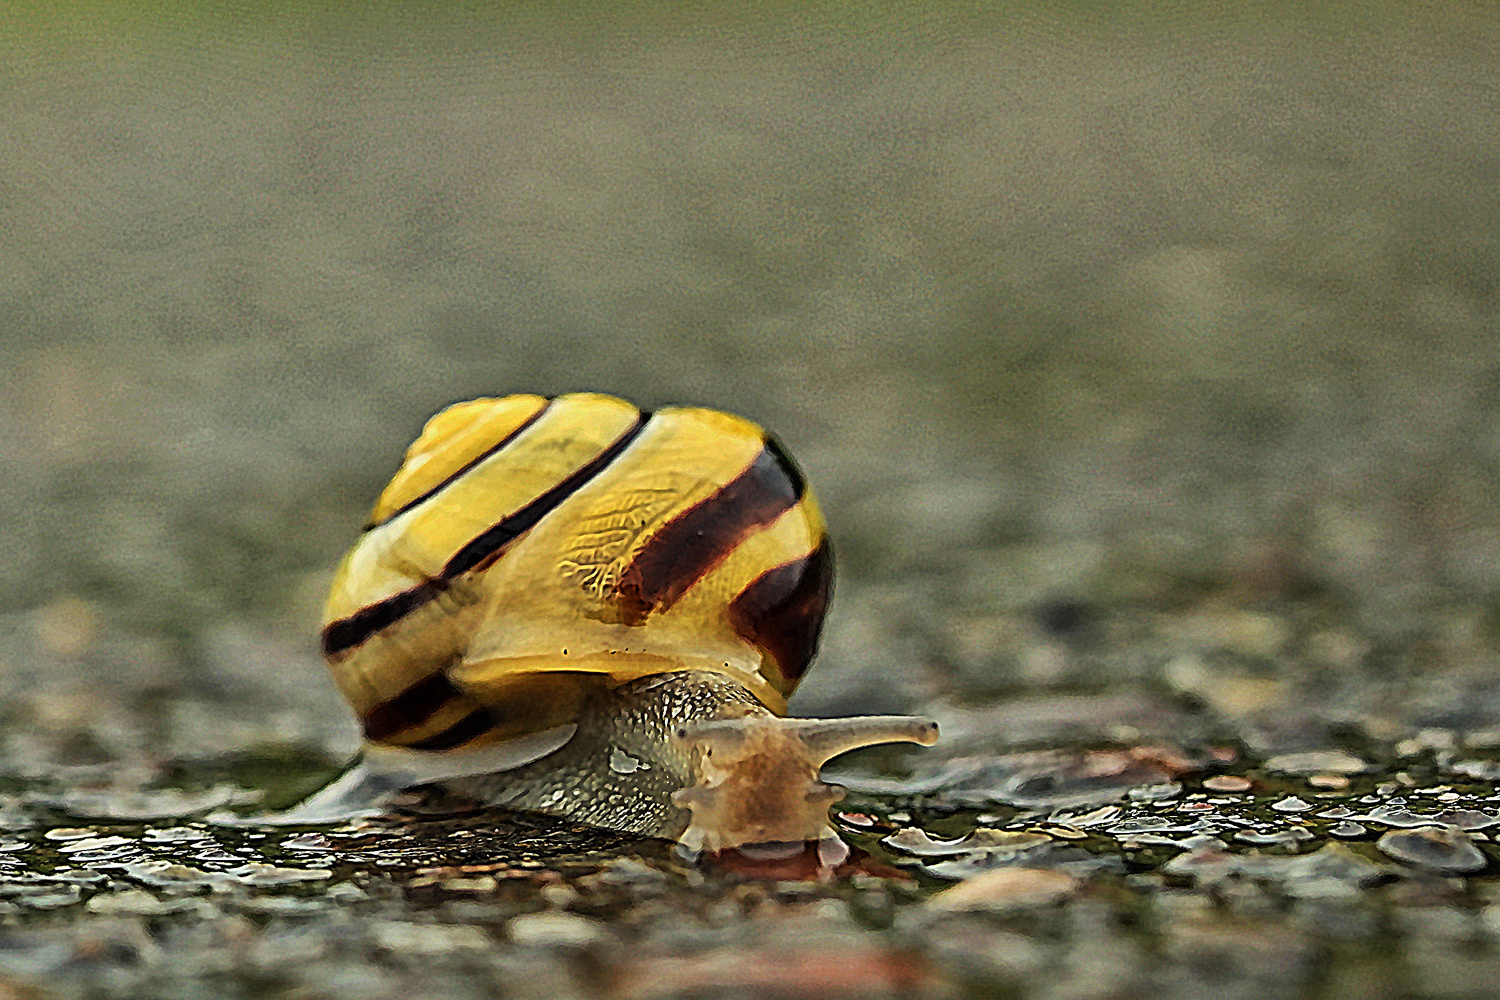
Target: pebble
408	938
1441	850
62	896
1156	824
1289	837
163	803
1005	842
139	902
552	929
1006	889
1402	818
315	842
283	906
169	876
173	835
1206	864
916	841
1485	770
1227	783
93	844
130	851
260	874
1329	781
1291	804
1102	816
1317	762
1159	792
1196	807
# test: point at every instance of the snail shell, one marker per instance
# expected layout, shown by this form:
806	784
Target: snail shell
573	606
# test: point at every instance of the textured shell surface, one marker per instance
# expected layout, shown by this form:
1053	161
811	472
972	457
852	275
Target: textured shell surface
531	549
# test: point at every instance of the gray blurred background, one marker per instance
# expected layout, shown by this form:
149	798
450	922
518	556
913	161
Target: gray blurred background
1140	346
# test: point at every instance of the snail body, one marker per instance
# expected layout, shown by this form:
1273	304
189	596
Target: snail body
574	607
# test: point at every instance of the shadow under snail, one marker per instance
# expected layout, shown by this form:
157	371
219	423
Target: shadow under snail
573	607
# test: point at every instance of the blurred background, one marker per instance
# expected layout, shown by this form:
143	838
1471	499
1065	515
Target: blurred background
1140	348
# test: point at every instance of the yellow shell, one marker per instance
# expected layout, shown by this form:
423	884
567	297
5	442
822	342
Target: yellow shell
529	549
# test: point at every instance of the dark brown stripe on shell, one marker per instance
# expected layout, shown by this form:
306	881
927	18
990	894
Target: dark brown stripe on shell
346	633
471	726
782	609
410	708
489	543
492	449
701	537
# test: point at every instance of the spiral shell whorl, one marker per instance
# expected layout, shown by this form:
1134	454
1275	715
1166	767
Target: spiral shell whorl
531	552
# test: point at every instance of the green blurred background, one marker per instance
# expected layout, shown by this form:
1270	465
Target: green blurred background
1071	312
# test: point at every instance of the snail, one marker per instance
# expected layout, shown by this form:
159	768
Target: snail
574	607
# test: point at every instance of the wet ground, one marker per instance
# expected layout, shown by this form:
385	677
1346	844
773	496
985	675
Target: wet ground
1145	362
1112	872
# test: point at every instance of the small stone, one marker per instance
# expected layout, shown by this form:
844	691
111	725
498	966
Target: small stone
1442	850
1289	837
138	902
1291	804
1485	770
173	835
1330	781
260	874
170	877
1007	889
1158	792
1004	842
1207	864
1102	816
1317	762
452	880
916	841
284	906
1347	829
1463	819
93	844
1227	783
551	929
406	938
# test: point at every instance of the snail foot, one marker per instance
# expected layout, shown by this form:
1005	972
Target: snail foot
758	778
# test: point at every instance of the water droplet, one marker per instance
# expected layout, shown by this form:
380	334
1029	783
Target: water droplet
621	762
